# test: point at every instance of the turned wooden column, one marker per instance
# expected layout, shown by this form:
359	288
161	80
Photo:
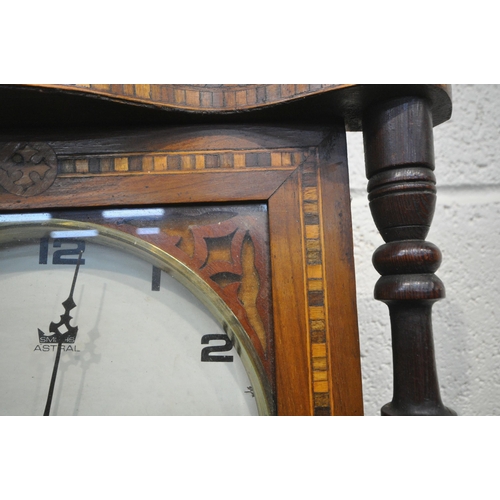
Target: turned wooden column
399	157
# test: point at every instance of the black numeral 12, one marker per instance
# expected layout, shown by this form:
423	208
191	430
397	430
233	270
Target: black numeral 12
205	352
61	256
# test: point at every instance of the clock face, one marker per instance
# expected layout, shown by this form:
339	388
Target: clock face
95	325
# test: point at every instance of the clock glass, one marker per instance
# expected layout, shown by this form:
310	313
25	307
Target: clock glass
98	322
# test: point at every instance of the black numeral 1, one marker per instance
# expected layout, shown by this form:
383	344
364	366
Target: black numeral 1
205	352
44	251
156	279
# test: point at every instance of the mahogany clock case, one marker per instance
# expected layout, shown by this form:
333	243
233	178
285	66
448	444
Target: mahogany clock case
259	212
270	160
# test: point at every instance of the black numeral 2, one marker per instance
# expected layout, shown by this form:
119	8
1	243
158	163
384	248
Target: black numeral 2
61	256
205	352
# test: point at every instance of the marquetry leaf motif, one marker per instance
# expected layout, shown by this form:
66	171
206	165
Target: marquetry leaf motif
229	252
27	169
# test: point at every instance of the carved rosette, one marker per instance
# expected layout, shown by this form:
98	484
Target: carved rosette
27	168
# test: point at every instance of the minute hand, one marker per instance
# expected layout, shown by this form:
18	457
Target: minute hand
67	337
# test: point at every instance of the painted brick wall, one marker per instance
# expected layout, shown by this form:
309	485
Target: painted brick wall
466	228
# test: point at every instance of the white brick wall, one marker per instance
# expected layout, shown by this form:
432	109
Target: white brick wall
466	228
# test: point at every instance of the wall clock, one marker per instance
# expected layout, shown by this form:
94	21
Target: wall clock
187	249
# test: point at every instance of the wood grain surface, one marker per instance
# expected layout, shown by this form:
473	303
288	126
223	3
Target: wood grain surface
273	261
402	192
276	150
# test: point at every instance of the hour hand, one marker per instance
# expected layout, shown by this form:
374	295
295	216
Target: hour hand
69	335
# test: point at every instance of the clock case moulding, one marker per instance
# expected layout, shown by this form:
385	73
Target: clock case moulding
270	162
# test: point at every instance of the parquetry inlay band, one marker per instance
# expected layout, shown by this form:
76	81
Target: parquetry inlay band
176	162
311	199
206	96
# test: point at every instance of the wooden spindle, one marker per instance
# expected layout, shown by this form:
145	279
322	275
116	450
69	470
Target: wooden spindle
399	158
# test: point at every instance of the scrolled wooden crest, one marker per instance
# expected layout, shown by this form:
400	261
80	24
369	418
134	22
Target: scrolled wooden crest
27	168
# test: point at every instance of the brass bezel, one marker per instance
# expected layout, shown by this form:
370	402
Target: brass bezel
22	231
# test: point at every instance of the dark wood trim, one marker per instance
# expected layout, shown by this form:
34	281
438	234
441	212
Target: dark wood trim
100	104
399	163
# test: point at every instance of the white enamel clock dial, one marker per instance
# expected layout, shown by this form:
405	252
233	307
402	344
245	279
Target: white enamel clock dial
145	345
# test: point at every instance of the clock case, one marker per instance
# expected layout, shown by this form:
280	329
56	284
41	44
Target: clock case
256	180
